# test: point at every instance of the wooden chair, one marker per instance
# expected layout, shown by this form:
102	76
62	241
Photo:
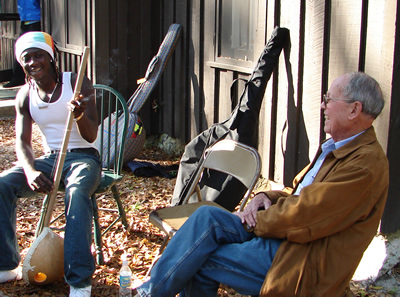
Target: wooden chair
227	156
113	112
114	119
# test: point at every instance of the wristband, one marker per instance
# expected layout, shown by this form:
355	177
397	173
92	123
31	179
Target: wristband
79	117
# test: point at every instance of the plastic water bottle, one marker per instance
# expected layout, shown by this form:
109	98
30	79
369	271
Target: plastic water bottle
125	279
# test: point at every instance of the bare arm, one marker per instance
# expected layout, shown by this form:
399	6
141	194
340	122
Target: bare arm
23	145
84	109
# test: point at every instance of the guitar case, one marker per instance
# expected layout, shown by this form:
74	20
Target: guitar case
242	126
136	134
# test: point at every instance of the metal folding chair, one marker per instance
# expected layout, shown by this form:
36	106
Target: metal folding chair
230	157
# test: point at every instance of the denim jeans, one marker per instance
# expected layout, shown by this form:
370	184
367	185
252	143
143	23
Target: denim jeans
212	247
80	176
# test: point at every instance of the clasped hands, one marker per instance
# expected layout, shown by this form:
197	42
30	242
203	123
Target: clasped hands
249	215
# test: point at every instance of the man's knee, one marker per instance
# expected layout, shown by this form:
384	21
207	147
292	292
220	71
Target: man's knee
209	210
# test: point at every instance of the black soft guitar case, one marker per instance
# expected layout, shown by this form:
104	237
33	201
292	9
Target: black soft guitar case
136	135
242	125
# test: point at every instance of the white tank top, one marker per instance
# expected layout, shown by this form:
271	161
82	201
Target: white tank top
52	118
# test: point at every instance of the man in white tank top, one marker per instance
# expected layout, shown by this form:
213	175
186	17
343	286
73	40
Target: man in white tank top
46	100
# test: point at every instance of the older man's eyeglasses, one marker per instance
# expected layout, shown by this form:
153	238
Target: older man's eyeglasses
326	99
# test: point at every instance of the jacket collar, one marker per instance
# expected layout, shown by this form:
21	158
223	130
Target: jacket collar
365	138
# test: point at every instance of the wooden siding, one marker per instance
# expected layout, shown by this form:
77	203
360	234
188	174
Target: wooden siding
9	33
389	76
328	38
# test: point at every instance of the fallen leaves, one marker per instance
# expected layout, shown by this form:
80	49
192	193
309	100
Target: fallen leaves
140	242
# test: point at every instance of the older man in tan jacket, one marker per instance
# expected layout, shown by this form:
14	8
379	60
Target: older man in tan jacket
305	241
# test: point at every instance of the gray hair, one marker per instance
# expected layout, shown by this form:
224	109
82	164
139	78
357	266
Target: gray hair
365	89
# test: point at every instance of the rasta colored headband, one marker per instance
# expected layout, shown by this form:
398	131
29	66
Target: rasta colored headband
40	40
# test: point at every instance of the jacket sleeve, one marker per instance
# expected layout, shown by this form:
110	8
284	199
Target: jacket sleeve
322	208
275	195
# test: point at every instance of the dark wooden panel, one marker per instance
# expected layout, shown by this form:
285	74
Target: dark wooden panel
9	16
120	52
6	75
166	94
197	116
150	35
112	57
9	33
390	221
75	22
225	103
57	21
181	98
211	75
101	43
7	53
133	47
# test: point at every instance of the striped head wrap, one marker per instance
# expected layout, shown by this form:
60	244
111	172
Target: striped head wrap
40	40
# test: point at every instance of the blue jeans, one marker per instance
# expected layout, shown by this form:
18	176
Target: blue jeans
80	176
212	247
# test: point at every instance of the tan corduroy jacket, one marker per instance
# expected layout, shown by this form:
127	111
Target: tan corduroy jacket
329	225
